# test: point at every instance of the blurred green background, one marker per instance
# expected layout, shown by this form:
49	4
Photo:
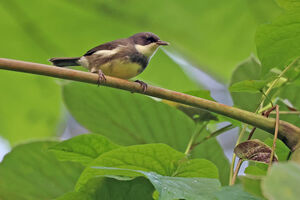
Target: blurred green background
212	35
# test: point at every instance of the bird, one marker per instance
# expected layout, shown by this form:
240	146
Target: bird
123	58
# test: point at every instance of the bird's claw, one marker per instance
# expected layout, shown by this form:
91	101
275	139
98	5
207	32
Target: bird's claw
143	85
101	78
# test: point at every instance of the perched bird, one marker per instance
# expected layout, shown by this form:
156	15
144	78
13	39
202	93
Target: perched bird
123	58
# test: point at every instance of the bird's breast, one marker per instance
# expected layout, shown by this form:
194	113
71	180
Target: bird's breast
121	69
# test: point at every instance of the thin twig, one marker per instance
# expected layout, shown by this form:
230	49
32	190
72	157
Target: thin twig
195	136
237	169
288	132
275	137
214	134
234	155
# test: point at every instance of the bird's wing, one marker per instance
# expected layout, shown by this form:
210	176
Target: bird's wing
107	46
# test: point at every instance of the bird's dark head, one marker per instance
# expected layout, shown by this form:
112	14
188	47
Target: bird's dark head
147	43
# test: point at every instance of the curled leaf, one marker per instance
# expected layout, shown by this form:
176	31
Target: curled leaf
254	150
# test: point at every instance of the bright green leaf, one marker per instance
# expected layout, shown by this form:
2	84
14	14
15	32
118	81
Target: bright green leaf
83	148
31	172
127	118
282	182
247	70
278	43
250	86
158	158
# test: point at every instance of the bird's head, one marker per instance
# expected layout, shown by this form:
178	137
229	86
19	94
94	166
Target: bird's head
147	43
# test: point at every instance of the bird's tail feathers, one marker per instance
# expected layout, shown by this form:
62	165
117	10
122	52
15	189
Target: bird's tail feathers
64	62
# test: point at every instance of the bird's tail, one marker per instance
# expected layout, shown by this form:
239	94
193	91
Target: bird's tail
64	62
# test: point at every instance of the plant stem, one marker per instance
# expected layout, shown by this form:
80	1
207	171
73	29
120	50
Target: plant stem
215	134
237	169
195	135
289	133
275	137
234	155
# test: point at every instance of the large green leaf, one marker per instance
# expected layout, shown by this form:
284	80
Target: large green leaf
31	172
127	118
108	189
234	193
278	43
158	158
29	107
282	182
248	70
83	148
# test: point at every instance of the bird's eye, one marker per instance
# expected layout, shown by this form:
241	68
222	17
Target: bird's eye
151	39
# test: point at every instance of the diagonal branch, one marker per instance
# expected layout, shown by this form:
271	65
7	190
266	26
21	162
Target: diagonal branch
288	133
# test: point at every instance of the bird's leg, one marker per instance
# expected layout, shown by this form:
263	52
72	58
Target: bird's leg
143	85
101	77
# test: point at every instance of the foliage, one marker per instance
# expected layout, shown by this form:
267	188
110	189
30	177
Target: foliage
139	147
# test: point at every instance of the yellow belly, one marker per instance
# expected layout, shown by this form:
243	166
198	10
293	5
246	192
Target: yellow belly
124	70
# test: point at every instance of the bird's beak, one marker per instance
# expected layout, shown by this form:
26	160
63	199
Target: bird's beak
160	42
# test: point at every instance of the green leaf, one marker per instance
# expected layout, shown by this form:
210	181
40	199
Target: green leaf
282	151
291	93
31	172
250	86
282	182
112	189
212	151
246	71
197	114
252	185
278	43
234	193
127	118
158	158
255	170
83	148
29	107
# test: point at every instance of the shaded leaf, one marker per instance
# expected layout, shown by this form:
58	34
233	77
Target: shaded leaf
31	172
254	150
109	188
197	114
83	148
29	105
252	185
127	118
212	151
282	182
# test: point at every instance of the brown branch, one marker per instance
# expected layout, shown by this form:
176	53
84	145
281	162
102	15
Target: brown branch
288	133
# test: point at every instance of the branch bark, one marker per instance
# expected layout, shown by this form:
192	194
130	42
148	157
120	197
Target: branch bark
288	133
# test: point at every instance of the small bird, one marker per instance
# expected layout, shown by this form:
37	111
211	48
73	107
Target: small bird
123	58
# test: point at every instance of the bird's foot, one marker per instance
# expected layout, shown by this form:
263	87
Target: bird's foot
101	78
143	85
